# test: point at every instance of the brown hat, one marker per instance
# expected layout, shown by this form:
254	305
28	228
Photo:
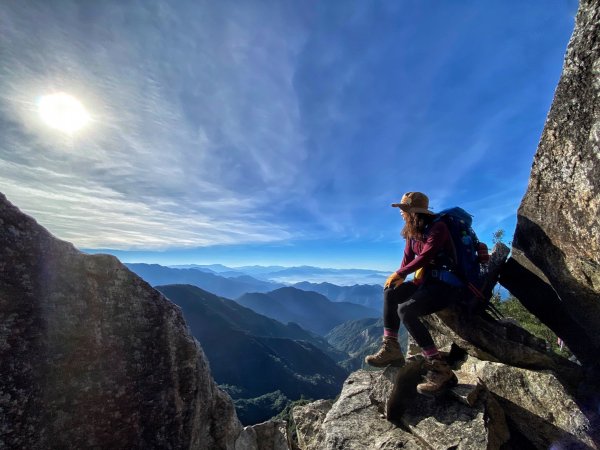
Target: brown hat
414	202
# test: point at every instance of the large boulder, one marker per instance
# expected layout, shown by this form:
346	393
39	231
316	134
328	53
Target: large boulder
367	415
494	406
537	404
92	357
499	341
558	228
354	421
269	435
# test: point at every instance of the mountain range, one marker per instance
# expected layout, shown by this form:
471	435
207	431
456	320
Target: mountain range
310	310
251	355
291	275
233	282
369	295
232	287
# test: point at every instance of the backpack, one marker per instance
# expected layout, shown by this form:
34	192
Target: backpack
470	259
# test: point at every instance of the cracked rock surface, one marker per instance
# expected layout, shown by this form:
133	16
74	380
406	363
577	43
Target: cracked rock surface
91	356
558	228
356	421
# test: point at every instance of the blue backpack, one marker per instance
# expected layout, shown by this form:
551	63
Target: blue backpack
469	258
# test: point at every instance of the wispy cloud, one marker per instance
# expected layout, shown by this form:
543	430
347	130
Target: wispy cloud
195	123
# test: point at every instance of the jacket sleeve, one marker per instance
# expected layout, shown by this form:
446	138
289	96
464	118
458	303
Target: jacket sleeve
409	254
436	238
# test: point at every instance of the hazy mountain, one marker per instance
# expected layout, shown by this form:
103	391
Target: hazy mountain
215	268
370	295
251	355
237	274
259	271
360	338
311	310
290	275
226	287
343	277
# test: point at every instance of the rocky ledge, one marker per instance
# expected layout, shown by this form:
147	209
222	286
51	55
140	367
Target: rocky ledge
494	406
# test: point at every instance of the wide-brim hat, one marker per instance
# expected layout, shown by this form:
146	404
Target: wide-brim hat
414	202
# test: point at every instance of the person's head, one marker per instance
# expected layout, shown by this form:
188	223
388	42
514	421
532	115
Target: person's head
414	208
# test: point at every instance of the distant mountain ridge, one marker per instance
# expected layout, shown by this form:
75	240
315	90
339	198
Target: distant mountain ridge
295	274
311	310
232	283
227	287
370	295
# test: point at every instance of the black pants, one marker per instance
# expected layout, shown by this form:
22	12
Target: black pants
407	302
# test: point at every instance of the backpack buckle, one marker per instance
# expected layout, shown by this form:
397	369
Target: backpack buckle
435	273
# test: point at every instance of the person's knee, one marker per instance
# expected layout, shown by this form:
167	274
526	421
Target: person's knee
405	311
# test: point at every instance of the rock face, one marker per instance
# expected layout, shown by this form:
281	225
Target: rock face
494	406
269	435
558	229
357	419
92	357
352	422
536	403
500	341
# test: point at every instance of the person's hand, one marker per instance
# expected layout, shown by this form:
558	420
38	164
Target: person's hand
393	281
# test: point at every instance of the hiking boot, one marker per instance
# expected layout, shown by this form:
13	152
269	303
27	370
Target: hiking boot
388	354
439	378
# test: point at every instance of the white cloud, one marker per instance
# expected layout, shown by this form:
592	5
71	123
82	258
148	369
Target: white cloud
195	124
92	216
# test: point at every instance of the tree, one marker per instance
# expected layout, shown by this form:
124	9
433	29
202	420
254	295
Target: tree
498	236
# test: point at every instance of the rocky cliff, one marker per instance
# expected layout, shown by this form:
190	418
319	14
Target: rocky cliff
558	230
495	406
92	357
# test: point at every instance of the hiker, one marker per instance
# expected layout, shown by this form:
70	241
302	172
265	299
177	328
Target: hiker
428	251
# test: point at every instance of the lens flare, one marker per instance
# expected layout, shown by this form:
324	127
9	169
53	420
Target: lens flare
63	112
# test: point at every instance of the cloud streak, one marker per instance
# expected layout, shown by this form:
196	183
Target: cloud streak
190	141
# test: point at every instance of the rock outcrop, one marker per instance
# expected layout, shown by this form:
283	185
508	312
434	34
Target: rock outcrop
494	406
357	420
558	229
536	403
269	435
92	357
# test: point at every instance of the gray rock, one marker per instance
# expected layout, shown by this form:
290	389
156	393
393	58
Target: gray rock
247	439
558	229
468	390
92	357
444	423
308	420
269	435
538	404
357	420
497	341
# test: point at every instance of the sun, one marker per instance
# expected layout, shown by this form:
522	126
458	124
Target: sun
63	112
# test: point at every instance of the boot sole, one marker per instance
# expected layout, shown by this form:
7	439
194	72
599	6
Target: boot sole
452	383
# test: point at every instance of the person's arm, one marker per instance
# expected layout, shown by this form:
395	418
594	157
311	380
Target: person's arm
436	238
409	254
394	279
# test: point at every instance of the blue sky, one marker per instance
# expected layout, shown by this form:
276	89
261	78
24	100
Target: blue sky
273	132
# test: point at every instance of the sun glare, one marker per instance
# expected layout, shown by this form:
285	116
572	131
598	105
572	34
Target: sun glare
63	112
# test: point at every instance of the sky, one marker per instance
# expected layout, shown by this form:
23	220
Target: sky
273	132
